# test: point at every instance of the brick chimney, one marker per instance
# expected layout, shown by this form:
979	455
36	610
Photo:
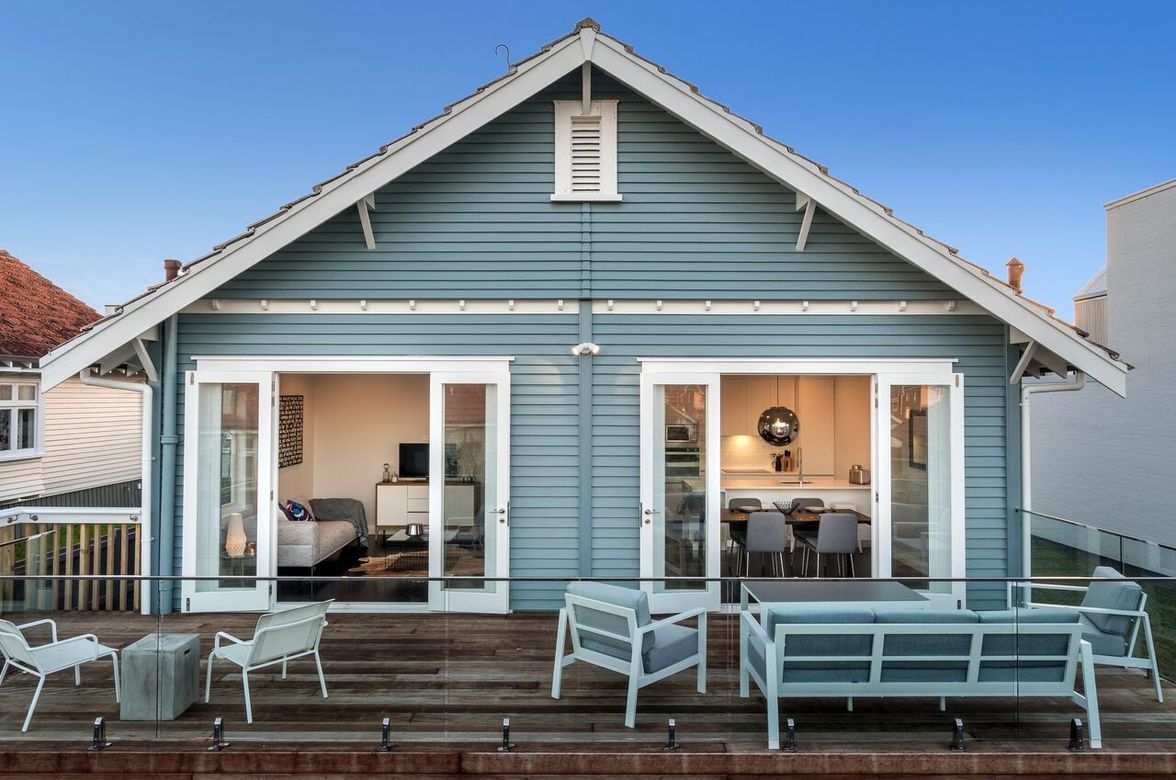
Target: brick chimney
1016	271
171	269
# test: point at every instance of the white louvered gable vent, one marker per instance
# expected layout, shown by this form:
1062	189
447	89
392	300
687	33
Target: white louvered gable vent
586	151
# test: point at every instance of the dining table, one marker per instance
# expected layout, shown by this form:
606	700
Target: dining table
735	518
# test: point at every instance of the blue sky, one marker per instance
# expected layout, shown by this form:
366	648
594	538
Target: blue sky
132	132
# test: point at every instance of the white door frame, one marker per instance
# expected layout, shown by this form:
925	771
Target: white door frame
710	595
495	598
260	597
918	370
273	365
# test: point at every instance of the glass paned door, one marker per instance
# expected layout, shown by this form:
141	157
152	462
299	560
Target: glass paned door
921	501
228	506
469	473
679	490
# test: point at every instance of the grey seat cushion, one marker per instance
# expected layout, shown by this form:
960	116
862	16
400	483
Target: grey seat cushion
1102	642
307	543
1034	615
1119	593
671	644
628	598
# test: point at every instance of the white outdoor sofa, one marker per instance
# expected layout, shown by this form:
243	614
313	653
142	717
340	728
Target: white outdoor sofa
827	650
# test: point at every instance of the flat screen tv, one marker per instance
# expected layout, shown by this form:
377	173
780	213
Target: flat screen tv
414	461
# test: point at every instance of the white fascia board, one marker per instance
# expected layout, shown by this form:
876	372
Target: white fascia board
463	119
738	136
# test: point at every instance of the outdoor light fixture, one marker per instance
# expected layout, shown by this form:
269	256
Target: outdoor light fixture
585	349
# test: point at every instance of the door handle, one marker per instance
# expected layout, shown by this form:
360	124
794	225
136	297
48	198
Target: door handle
501	516
648	515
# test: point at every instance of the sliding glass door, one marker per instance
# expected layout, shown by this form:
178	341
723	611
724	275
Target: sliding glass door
679	489
921	482
228	506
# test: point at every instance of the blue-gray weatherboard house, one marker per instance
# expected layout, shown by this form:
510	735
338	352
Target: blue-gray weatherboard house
584	278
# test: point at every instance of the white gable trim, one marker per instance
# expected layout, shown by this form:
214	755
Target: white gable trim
733	133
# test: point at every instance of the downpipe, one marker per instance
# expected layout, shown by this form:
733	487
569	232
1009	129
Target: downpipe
1027	391
146	526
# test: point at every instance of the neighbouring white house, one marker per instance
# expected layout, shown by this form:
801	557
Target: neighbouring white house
1126	442
75	444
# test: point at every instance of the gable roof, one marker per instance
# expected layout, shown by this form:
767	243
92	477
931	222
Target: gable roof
35	314
1095	287
586	44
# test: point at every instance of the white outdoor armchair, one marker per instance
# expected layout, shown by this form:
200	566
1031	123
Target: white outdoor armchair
56	656
1112	612
279	638
611	628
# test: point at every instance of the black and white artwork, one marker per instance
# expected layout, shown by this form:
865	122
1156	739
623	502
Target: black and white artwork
289	430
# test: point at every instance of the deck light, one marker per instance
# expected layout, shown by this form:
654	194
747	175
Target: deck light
1077	740
98	740
789	736
957	735
671	736
507	745
386	743
218	734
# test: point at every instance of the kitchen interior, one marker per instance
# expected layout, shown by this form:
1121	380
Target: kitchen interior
784	437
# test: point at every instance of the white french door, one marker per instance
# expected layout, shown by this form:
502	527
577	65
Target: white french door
469	489
679	515
919	474
228	490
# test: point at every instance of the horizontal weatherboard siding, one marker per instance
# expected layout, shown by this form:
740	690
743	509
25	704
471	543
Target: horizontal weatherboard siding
477	221
544	407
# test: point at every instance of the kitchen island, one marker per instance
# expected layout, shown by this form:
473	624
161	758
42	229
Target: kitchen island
769	486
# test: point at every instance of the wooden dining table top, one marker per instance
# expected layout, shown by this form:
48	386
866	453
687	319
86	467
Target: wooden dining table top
731	516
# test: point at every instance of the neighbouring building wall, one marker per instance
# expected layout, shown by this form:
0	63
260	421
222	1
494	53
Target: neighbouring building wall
92	438
1098	458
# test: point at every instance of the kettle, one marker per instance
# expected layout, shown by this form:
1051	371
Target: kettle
859	475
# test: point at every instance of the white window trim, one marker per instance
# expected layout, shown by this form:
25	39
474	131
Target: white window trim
37	450
565	110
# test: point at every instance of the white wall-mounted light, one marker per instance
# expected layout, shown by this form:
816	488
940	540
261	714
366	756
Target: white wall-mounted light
585	349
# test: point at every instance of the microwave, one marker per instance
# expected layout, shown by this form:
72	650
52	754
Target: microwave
681	433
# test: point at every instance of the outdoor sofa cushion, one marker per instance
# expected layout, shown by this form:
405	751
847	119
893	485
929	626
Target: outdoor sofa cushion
671	644
1120	593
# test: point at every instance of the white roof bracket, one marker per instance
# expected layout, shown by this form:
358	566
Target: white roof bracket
145	360
1023	363
363	205
806	223
586	88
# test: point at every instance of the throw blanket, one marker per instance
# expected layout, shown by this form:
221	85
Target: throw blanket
347	509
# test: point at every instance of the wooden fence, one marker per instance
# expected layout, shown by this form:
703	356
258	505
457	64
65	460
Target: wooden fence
54	552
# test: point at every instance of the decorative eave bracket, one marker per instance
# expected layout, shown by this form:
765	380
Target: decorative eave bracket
806	223
364	205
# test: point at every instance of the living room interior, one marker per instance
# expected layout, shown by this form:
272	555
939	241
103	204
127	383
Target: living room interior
363	472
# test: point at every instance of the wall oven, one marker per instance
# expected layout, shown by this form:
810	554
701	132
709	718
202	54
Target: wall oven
683	462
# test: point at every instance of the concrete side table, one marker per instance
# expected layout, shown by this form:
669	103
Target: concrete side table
161	676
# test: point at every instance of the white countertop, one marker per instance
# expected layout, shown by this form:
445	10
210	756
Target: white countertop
774	481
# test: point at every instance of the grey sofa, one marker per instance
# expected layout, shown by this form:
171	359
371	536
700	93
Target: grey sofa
844	651
305	544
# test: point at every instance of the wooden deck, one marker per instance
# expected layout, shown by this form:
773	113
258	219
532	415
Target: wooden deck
447	681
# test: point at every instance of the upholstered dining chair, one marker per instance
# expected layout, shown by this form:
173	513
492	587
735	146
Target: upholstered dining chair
769	534
836	535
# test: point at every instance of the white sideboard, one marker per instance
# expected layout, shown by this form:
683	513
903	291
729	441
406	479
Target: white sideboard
401	503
